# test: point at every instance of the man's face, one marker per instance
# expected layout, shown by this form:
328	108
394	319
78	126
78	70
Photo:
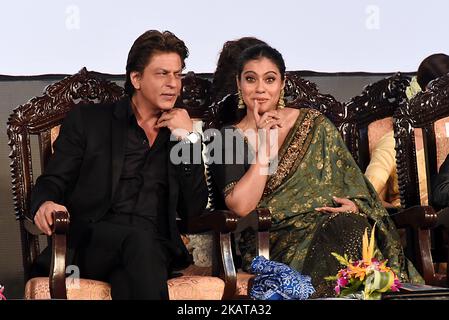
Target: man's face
160	83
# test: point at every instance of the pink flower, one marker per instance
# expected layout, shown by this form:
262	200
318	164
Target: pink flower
396	285
343	273
342	282
337	289
2	297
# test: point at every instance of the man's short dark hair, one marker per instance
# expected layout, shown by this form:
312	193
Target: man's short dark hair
146	46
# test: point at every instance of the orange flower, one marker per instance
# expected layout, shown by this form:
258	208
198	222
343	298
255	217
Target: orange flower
357	271
368	246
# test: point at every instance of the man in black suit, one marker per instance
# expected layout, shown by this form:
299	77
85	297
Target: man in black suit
114	172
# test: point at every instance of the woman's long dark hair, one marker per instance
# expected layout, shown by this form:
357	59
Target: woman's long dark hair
224	76
227	109
224	86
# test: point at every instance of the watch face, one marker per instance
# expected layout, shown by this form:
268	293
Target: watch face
193	137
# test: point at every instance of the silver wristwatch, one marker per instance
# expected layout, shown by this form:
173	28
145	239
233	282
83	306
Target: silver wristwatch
192	137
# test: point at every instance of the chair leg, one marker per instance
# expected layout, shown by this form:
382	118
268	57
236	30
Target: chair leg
424	261
230	275
263	244
57	271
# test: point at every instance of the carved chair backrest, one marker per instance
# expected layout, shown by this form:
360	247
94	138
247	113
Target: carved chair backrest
425	112
368	116
37	118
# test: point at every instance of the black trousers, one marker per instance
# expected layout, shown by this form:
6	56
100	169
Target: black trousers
128	253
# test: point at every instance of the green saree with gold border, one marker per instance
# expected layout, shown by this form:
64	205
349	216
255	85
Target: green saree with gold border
315	165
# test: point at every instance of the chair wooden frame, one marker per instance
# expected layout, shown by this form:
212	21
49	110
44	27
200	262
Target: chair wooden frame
382	99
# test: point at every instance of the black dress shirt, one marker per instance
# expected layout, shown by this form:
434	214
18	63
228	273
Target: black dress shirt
142	191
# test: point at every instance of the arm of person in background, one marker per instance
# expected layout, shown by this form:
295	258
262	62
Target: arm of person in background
382	166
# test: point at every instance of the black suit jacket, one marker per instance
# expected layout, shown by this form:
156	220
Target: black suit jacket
440	187
85	169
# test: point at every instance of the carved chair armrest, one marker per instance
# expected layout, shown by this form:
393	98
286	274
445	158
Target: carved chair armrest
416	217
59	246
224	223
59	235
421	219
260	221
227	221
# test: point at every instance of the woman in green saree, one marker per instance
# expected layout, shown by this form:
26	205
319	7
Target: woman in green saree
320	202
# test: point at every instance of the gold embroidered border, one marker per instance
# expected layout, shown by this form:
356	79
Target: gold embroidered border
294	151
228	188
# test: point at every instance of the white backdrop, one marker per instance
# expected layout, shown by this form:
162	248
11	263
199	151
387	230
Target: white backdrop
61	36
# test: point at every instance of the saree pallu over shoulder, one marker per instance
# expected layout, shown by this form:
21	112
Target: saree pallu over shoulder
294	148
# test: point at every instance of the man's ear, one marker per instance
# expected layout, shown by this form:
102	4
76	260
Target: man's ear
135	79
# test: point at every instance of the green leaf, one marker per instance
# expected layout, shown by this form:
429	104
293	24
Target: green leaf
342	260
379	281
354	286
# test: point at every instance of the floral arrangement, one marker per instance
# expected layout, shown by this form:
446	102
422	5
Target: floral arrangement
2	296
367	278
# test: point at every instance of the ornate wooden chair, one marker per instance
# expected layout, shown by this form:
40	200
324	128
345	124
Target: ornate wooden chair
423	112
41	117
367	118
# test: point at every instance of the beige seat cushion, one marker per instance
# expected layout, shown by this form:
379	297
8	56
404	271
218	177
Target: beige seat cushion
180	288
195	288
37	288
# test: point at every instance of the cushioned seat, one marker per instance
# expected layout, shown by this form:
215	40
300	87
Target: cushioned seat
85	289
195	288
180	288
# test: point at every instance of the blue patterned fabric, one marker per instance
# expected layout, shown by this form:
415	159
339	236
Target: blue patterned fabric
277	281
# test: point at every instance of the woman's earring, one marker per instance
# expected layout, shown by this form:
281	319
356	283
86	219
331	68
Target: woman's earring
241	104
281	102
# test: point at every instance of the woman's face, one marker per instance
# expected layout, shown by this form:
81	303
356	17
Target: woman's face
260	80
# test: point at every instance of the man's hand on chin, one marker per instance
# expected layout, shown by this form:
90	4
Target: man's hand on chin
177	120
